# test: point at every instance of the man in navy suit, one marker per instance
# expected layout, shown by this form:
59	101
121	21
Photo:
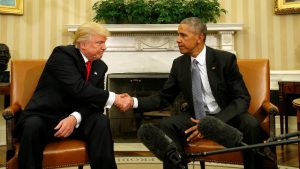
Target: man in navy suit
224	93
68	102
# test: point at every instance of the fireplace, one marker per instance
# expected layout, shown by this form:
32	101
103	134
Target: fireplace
139	57
124	125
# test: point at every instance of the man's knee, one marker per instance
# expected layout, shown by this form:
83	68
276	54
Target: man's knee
166	123
247	121
101	121
33	124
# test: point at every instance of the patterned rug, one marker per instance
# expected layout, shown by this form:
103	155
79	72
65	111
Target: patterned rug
154	163
129	161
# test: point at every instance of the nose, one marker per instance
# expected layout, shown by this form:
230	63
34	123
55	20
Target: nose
178	39
104	46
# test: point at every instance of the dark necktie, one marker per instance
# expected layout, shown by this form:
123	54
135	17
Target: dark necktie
197	91
88	69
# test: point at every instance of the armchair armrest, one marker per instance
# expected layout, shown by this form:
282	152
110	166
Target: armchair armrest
270	108
9	115
11	111
269	123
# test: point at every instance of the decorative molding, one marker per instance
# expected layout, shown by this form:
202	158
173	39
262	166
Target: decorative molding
137	42
162	37
115	28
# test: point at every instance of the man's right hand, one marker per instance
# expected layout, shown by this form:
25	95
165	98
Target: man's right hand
123	102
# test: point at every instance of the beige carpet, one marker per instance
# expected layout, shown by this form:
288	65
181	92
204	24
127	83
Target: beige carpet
154	163
133	162
159	166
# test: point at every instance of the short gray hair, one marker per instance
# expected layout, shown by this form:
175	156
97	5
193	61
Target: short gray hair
196	23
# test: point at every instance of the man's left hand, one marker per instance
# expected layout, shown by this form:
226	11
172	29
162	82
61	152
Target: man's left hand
65	127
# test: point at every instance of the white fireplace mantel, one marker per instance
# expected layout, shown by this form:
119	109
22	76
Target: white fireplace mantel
152	47
114	28
160	37
148	48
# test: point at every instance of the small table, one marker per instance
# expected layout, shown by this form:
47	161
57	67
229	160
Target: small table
296	104
286	88
5	90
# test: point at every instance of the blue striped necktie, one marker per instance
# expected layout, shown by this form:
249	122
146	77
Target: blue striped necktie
197	91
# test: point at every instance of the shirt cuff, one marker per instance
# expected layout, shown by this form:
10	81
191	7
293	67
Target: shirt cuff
111	99
77	116
135	102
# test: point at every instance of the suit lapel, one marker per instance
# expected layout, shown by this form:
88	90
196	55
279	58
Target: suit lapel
98	71
212	69
80	62
187	69
187	79
94	73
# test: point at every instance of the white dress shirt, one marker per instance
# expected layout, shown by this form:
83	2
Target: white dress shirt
110	101
210	104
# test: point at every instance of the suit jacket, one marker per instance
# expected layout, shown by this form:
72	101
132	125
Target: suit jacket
62	88
225	80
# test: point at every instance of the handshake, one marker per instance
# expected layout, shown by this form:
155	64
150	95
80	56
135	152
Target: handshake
123	102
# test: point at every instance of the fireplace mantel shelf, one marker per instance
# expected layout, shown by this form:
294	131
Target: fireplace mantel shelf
138	42
160	27
162	37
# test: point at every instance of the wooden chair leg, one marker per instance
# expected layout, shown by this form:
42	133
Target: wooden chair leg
202	164
80	167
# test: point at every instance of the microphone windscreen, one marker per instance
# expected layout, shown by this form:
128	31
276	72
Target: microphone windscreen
156	141
220	132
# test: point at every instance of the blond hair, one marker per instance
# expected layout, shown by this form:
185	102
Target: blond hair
85	31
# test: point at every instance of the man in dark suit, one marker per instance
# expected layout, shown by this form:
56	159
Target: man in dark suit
69	102
223	92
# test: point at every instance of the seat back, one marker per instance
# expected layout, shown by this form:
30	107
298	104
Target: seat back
256	74
24	78
25	75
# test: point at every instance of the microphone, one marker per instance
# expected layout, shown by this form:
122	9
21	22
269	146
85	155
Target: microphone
214	129
220	132
162	146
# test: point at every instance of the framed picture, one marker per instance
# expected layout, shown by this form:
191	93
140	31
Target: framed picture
11	7
287	6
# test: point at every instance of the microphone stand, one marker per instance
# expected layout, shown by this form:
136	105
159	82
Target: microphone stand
284	136
253	146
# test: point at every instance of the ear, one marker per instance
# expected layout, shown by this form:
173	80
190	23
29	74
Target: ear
201	37
82	45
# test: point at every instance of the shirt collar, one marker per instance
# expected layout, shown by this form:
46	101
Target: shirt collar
201	57
84	57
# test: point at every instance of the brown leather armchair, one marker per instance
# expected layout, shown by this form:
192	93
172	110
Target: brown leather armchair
256	74
24	77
